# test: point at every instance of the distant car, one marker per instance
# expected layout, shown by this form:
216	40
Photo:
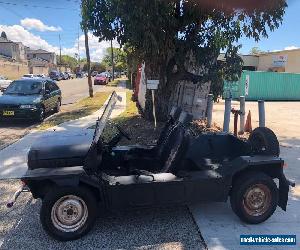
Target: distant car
101	79
28	76
71	75
109	76
30	99
94	73
41	75
79	75
65	76
4	83
55	75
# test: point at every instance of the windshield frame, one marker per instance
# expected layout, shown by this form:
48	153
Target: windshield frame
102	121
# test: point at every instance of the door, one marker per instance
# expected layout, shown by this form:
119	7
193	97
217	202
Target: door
55	94
50	96
144	192
47	97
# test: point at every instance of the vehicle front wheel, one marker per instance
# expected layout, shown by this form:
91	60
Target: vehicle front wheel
42	114
254	197
68	213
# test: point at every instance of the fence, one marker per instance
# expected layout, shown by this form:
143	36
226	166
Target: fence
271	86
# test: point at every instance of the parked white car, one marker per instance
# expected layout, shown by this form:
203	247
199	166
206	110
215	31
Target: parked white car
28	76
4	83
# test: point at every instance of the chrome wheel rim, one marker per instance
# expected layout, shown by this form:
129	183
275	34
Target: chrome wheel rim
42	115
257	200
69	213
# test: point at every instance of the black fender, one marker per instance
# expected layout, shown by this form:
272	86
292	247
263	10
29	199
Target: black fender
41	180
270	165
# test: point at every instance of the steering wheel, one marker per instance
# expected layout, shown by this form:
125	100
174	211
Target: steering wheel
123	132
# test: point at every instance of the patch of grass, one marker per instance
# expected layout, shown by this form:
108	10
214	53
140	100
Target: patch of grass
114	83
80	109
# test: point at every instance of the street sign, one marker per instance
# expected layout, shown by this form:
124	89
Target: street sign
152	84
247	82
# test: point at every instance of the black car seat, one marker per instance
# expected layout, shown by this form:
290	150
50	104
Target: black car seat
168	154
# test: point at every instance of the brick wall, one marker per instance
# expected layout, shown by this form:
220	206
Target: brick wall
13	70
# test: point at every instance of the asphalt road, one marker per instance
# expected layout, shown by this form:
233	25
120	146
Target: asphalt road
72	91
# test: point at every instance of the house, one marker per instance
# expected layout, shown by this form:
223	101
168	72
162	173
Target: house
50	57
14	51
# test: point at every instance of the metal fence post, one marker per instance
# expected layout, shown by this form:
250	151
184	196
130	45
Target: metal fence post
242	114
227	115
261	113
210	102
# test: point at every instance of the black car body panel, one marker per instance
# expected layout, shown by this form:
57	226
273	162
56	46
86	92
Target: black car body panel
208	166
47	99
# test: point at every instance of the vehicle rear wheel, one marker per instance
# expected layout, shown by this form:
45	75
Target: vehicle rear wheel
68	213
42	114
254	197
57	108
264	141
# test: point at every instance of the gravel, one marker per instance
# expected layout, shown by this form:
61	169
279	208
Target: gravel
159	228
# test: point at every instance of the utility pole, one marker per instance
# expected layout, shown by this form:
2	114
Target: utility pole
59	53
112	61
78	48
88	61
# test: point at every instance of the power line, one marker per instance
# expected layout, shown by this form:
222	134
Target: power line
38	6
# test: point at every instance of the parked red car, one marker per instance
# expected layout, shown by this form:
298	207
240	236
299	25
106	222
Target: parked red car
101	79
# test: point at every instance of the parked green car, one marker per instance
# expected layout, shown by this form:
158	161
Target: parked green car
30	99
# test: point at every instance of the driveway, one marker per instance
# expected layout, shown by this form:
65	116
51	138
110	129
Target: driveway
72	91
220	228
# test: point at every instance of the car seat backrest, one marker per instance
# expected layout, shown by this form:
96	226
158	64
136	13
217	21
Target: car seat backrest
183	120
173	117
178	145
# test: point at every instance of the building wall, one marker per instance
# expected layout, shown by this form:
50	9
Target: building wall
39	70
21	53
265	62
50	57
13	70
6	49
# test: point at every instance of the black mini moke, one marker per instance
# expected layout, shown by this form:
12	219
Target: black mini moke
77	181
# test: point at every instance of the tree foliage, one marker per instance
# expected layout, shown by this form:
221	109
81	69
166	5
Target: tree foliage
120	59
167	33
69	61
256	51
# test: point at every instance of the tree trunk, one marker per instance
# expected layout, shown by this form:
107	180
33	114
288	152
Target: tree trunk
112	60
162	94
88	62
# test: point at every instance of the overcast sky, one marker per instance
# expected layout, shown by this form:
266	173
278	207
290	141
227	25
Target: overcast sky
38	23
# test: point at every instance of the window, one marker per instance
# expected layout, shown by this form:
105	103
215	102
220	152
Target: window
51	86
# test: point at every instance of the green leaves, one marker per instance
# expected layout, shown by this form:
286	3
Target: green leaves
164	32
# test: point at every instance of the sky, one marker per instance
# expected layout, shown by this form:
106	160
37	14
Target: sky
38	24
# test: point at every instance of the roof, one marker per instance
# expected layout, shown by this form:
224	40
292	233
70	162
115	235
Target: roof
38	51
3	40
279	51
35	79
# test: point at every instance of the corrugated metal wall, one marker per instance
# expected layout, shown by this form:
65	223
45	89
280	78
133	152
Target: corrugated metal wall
266	86
192	98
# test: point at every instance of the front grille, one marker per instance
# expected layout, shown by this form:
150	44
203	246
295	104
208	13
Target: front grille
9	106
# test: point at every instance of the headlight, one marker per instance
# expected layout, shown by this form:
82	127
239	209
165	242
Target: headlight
28	106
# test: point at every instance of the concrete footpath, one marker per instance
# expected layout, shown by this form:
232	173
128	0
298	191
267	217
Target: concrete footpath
13	159
219	226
